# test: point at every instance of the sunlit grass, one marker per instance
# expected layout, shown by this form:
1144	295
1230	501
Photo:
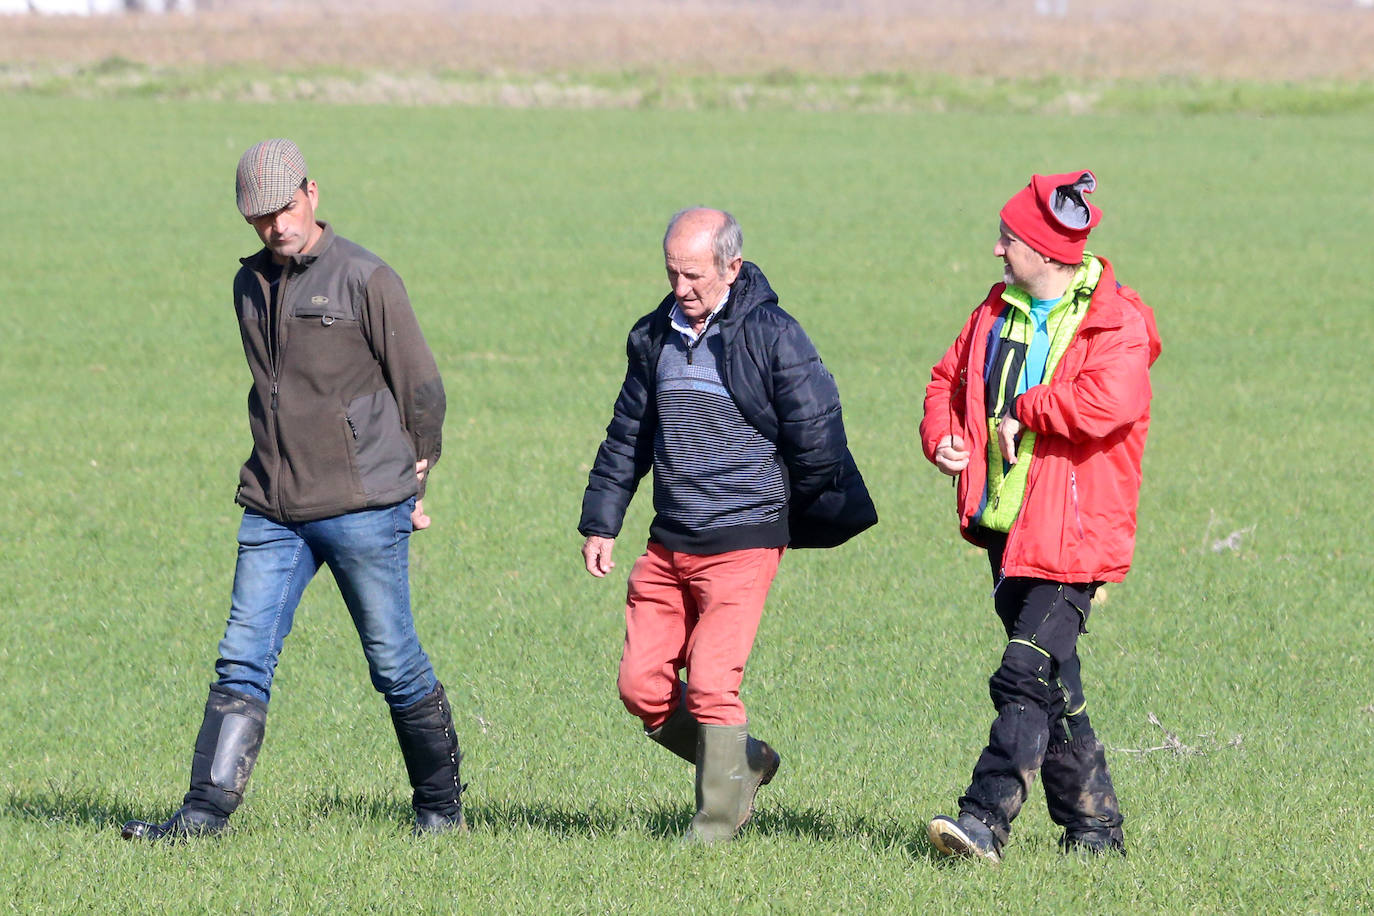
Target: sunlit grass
528	241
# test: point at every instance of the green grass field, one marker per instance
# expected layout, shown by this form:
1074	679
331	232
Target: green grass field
529	242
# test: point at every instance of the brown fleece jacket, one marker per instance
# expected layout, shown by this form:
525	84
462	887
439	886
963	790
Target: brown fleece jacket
346	395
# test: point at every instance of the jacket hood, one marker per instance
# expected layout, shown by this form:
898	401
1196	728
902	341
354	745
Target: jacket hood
1112	303
749	291
1110	310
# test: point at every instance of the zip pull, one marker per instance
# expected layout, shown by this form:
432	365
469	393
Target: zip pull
1073	489
274	395
692	346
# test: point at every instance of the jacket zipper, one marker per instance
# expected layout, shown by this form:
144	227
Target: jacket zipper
949	409
1073	492
276	345
692	347
1073	474
351	427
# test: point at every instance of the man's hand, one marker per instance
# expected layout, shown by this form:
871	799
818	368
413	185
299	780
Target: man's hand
950	455
418	520
596	553
1007	432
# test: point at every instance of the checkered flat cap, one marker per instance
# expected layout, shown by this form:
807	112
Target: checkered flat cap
269	174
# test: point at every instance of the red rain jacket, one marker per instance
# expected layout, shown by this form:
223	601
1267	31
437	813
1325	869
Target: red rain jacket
1078	519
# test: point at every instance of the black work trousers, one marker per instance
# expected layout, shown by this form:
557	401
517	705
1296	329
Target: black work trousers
1037	690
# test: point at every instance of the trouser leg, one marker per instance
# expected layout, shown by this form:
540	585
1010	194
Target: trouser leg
1043	620
659	616
1080	795
369	554
729	591
274	566
1006	769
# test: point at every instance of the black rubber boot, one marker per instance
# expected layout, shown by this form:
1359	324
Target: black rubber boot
965	837
226	750
1081	798
430	748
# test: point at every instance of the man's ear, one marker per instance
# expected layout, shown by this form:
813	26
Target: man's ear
732	271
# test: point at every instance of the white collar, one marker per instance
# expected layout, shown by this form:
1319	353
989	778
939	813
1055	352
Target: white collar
684	327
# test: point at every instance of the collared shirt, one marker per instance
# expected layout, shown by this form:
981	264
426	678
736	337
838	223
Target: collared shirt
683	326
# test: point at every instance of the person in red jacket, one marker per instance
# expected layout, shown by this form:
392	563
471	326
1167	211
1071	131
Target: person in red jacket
1040	410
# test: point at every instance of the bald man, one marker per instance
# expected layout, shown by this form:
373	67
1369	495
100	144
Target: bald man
726	399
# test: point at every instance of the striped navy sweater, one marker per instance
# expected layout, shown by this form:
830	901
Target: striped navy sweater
718	483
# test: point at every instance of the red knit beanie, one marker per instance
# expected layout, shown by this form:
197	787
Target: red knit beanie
1052	215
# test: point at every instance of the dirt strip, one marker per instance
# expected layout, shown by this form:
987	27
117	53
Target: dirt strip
1109	39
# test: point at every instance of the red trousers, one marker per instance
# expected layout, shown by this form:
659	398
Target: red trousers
695	612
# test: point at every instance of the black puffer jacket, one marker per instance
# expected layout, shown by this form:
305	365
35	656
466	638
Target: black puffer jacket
776	378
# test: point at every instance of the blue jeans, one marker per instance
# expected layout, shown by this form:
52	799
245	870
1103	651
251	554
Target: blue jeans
368	553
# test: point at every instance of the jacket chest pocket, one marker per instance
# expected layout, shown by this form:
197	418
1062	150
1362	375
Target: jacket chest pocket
326	310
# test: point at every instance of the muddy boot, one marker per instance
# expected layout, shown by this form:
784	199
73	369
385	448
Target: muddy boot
967	837
728	777
1006	769
226	749
430	748
1081	799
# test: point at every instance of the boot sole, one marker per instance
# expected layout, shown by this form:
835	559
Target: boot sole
953	841
772	770
764	780
144	831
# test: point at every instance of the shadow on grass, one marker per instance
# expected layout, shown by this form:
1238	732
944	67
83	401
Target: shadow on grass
95	811
669	822
81	809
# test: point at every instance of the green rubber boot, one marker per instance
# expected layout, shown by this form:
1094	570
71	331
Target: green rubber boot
678	734
728	778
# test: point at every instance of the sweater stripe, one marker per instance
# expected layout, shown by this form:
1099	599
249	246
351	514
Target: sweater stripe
712	469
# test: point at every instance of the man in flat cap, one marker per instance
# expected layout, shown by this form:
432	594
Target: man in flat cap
726	399
1040	409
346	409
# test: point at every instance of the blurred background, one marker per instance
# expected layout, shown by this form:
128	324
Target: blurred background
1260	40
